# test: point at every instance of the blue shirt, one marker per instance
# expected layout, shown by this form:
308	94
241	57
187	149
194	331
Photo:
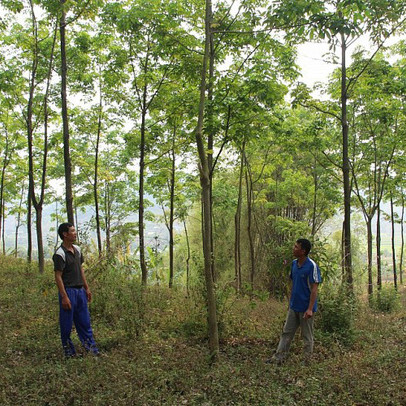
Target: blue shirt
302	277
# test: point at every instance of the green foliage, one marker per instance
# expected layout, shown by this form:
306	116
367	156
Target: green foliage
169	365
385	300
120	298
337	308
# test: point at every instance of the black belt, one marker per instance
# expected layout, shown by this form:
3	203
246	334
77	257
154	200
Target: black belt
75	287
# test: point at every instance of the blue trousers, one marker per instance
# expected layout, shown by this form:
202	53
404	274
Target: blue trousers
78	314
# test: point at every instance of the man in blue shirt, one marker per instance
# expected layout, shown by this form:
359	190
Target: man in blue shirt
305	275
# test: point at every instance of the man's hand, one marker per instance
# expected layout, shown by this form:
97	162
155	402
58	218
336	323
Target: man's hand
308	314
89	295
66	305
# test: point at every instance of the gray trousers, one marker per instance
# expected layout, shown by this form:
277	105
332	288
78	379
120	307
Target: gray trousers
294	320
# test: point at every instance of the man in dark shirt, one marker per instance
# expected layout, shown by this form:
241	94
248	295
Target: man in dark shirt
74	292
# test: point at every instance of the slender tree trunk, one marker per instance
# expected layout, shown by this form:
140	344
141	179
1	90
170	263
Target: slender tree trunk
56	225
18	222
392	217
3	176
402	245
144	271
249	186
369	240
315	183
378	248
96	174
346	169
210	140
107	217
187	258
65	120
38	203
342	253
172	211
3	234
29	228
205	184
237	224
40	244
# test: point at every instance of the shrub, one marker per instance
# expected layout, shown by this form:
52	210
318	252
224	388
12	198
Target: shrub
385	300
337	308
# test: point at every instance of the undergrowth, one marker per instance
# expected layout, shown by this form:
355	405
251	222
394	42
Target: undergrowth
155	349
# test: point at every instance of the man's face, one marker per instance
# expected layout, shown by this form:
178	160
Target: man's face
298	251
70	236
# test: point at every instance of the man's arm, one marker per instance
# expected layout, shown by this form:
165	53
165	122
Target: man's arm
85	285
66	305
313	295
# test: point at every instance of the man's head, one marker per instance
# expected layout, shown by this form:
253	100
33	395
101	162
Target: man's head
302	247
67	231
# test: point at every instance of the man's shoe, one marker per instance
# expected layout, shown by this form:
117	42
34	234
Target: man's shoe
274	361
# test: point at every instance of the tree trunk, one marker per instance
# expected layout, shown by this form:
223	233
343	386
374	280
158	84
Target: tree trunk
346	170
369	240
18	222
38	204
65	127
315	182
249	186
2	180
402	245
3	234
210	140
172	210
29	229
187	258
96	175
107	217
144	271
392	217
205	184
378	248
237	223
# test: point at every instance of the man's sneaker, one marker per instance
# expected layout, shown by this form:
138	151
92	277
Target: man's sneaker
274	361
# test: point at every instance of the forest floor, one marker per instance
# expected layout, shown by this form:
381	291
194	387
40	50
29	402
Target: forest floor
168	363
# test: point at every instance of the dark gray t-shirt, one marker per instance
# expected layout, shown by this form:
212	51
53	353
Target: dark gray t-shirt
70	264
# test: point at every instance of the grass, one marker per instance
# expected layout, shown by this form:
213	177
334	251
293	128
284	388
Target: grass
167	364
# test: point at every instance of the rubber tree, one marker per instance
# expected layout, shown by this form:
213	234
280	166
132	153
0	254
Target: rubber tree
341	23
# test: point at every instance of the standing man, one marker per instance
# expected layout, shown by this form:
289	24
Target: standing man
74	292
305	275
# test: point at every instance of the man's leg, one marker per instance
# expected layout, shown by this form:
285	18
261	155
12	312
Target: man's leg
65	323
291	325
306	327
81	318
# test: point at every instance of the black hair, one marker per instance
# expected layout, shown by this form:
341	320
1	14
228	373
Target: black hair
305	244
64	228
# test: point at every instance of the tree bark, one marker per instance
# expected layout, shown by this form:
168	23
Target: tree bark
237	226
29	229
144	270
378	248
65	120
205	184
18	222
402	245
96	175
6	160
369	241
348	278
187	258
249	187
392	217
172	210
